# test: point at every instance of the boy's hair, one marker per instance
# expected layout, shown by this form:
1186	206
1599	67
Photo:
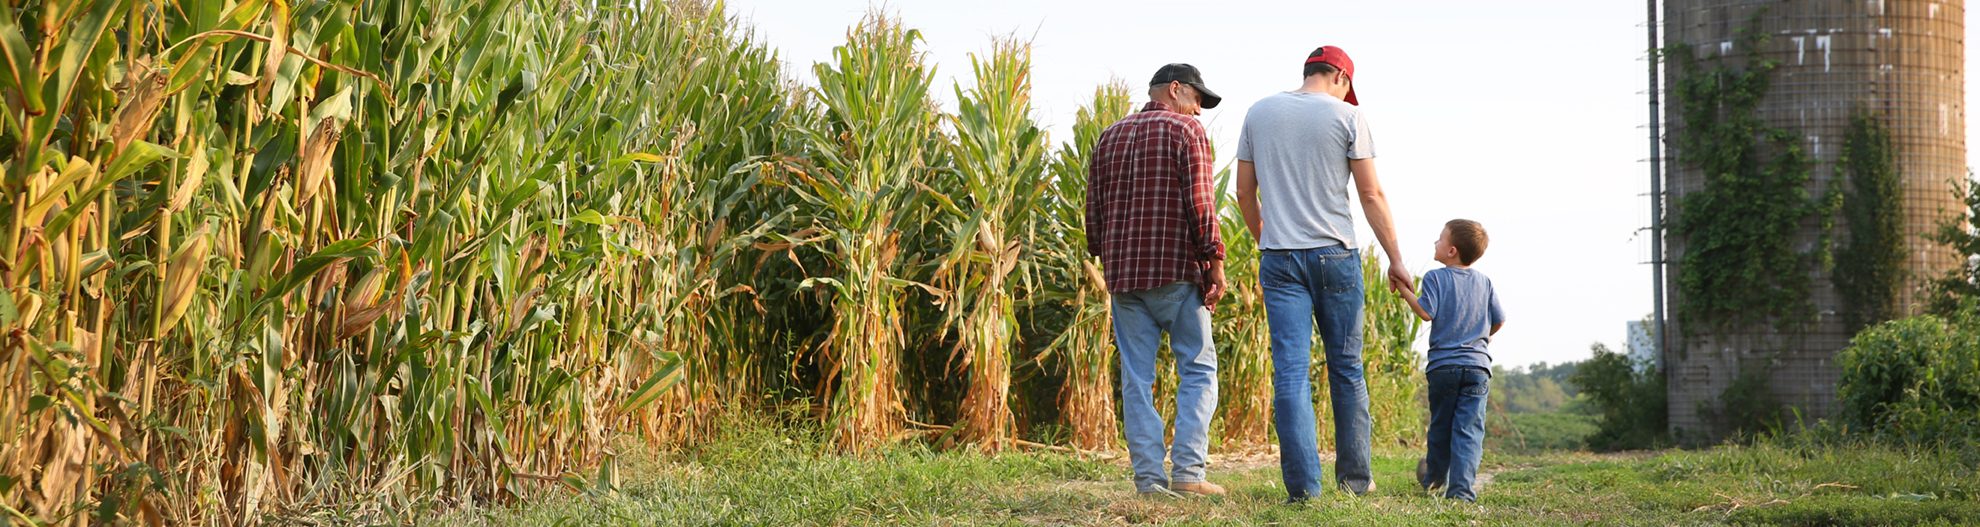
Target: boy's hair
1469	238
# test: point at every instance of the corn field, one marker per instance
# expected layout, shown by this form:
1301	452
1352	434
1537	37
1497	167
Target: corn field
264	257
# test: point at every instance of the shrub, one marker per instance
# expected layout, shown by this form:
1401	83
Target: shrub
1631	399
1916	380
1746	408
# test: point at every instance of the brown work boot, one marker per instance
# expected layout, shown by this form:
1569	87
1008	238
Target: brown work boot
1200	488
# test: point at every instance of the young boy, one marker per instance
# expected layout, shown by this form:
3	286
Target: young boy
1464	313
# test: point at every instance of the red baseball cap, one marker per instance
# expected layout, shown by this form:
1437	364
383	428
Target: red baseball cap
1333	56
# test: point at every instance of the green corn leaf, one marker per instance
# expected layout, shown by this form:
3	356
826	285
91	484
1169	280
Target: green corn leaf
20	75
140	155
9	313
308	266
83	38
656	384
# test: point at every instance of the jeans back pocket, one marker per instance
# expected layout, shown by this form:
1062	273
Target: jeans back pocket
1340	273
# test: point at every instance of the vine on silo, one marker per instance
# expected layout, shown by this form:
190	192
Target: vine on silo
1869	268
1741	263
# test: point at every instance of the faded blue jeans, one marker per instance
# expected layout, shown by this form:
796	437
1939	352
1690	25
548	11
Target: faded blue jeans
1457	429
1306	290
1140	319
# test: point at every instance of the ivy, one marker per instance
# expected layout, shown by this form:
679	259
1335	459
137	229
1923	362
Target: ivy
1960	289
1869	270
1741	264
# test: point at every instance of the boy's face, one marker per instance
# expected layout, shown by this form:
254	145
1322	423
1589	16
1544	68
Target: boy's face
1446	253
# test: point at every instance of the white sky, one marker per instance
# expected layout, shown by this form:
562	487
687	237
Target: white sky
1524	115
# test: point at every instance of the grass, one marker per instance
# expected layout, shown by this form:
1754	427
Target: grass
759	475
1539	431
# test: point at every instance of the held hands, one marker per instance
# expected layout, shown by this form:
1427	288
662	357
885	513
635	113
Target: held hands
1400	281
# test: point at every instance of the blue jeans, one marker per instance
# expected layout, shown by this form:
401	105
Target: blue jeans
1303	289
1457	429
1140	319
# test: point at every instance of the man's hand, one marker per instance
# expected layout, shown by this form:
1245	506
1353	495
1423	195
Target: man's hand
1375	206
1215	284
1400	280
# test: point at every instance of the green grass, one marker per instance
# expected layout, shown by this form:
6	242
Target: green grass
760	475
1530	432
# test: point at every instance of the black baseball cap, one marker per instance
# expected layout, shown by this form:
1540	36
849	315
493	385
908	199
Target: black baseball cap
1186	74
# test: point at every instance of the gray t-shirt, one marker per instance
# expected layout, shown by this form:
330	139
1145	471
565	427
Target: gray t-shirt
1463	308
1300	144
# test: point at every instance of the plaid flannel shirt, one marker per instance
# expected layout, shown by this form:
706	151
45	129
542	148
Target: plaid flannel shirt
1151	207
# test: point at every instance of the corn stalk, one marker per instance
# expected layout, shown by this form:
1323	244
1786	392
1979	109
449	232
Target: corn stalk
1244	340
1085	347
1389	361
265	256
862	189
999	157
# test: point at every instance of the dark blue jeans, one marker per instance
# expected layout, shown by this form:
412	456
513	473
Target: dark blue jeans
1307	290
1457	429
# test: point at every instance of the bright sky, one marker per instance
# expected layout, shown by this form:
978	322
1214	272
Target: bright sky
1526	116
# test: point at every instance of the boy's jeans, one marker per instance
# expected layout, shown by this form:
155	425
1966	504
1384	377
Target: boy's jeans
1457	428
1305	288
1140	318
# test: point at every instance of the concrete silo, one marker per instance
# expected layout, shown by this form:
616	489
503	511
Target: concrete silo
1901	61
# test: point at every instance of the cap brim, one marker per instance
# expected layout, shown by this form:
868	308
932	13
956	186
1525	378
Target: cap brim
1210	98
1351	99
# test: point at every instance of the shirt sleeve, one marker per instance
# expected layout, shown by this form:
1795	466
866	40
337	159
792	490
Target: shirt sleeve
1198	168
1361	142
1095	213
1244	144
1429	297
1498	314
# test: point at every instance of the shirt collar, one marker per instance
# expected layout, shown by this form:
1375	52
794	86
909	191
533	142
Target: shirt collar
1156	105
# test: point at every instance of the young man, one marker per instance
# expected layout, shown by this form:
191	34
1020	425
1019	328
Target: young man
1151	218
1463	311
1298	152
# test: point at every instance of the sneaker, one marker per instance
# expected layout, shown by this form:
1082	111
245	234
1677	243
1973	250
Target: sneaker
1200	488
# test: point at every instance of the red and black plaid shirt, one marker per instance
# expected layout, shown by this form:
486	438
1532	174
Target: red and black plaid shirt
1151	207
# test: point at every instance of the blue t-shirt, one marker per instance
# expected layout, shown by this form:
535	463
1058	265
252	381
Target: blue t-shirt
1463	308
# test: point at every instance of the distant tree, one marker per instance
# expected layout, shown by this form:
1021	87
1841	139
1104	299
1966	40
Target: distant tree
1629	397
1533	389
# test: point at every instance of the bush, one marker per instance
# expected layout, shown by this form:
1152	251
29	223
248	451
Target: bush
1746	408
1631	399
1916	380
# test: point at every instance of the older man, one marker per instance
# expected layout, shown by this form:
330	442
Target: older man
1151	217
1297	155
